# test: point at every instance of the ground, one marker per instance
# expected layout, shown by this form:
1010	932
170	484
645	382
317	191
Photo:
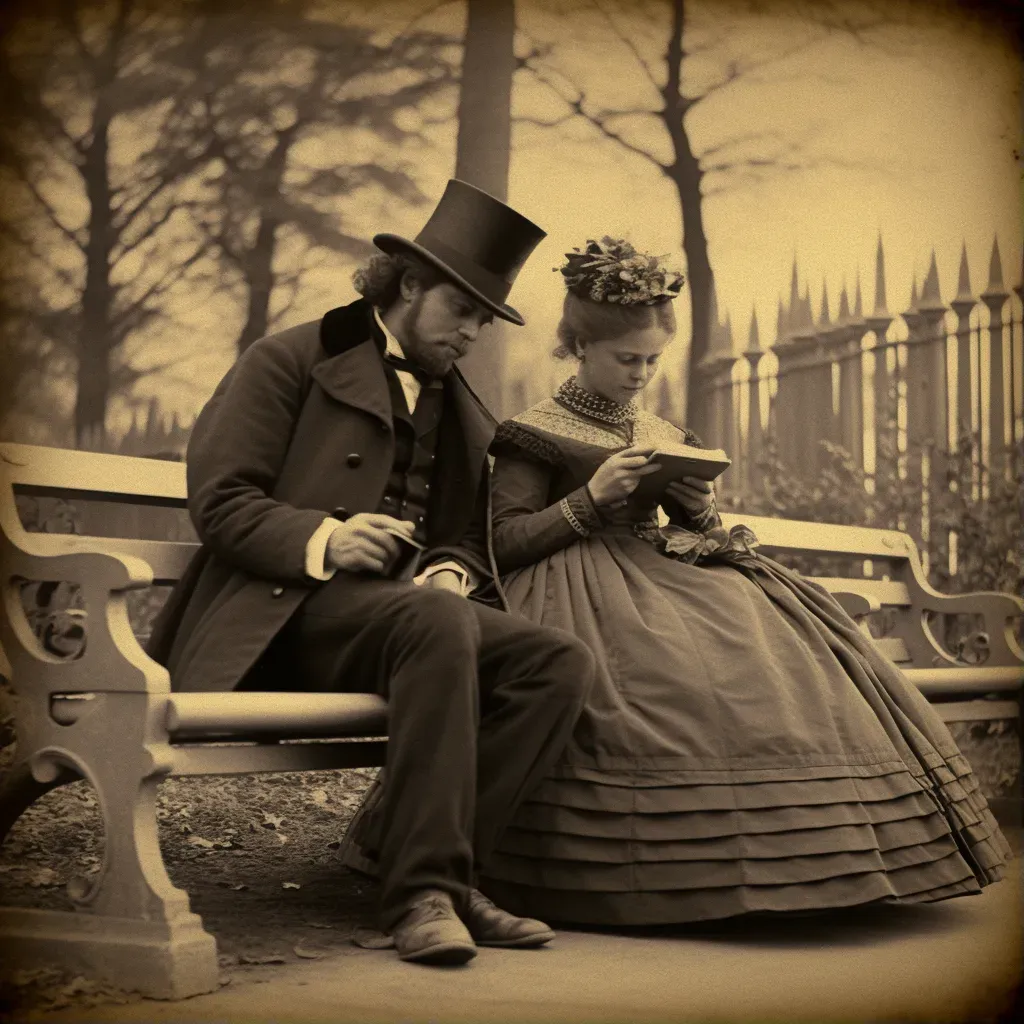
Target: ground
258	856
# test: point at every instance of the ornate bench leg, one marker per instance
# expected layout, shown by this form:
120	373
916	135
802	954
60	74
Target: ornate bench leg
132	926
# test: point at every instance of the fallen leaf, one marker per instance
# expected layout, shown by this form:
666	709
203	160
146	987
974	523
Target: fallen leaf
273	958
319	797
308	954
281	836
239	887
272	820
201	842
371	938
42	877
290	885
318	924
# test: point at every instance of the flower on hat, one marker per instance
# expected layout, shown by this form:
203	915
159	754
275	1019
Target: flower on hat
611	270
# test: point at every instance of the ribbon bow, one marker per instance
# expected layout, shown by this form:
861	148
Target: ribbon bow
408	366
735	545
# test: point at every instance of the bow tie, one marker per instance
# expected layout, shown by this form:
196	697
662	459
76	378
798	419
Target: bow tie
400	363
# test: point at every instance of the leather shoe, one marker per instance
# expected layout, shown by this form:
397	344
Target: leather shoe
491	926
430	931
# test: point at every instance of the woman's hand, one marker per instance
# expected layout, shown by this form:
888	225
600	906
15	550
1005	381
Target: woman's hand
620	474
694	494
366	542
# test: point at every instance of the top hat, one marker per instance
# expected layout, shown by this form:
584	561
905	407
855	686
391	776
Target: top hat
476	241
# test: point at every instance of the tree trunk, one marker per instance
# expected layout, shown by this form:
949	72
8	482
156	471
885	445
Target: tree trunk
482	156
686	175
259	263
94	338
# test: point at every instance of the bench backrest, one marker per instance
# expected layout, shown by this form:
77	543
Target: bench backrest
71	474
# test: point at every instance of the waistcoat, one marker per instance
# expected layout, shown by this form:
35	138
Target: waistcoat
408	488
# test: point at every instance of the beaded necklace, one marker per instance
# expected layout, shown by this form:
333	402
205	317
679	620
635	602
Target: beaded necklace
579	400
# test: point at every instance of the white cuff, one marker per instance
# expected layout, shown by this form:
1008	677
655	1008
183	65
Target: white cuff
468	581
316	550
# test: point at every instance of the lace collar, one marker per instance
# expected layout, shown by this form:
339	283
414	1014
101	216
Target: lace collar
586	403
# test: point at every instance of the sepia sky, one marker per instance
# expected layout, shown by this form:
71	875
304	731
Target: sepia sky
912	134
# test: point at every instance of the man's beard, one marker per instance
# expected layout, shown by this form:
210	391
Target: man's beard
430	354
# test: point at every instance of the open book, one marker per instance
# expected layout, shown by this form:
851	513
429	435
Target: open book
679	460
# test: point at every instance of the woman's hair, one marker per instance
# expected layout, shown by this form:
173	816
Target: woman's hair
379	281
585	321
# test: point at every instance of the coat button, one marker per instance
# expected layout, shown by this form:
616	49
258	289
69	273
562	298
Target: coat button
277	592
340	513
354	460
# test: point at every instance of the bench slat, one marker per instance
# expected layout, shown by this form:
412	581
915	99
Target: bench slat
168	558
240	759
95	475
977	710
888	593
969	680
825	538
281	715
895	650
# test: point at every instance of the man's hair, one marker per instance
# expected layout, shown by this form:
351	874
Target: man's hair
379	281
585	322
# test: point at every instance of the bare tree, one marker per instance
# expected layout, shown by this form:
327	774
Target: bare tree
687	54
91	208
265	92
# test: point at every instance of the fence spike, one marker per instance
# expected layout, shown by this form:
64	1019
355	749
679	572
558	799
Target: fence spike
881	306
824	320
930	294
780	323
995	271
843	316
858	301
754	339
963	284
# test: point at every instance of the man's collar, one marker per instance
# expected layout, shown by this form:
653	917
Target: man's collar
392	345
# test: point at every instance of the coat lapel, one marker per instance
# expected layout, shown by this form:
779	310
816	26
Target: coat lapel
353	372
478	425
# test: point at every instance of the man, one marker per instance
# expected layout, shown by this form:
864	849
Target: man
324	448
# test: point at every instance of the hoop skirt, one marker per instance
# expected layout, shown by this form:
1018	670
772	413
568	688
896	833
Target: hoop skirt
746	747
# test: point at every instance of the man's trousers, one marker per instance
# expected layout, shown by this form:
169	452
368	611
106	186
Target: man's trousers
481	704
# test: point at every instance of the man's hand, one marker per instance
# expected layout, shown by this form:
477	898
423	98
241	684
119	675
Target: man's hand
444	579
365	543
694	494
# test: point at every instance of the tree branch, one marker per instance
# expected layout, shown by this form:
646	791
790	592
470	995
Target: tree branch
128	318
598	121
70	234
626	41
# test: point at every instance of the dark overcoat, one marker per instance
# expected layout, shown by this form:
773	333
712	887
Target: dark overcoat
301	426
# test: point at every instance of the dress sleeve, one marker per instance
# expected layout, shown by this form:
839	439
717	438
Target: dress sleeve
527	526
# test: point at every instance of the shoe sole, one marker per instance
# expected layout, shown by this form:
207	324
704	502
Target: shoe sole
526	942
441	954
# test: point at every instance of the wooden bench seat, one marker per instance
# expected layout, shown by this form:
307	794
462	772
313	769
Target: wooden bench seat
107	713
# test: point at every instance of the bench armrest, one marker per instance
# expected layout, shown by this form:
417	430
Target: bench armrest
112	660
1001	614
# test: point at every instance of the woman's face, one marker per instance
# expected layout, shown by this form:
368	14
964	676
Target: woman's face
621	368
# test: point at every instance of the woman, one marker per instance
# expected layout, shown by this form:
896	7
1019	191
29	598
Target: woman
746	749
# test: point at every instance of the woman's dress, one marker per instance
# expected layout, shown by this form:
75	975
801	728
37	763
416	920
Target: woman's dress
746	747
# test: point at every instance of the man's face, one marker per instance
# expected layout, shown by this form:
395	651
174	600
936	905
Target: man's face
439	324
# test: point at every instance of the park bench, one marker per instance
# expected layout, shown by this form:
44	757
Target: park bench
107	713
